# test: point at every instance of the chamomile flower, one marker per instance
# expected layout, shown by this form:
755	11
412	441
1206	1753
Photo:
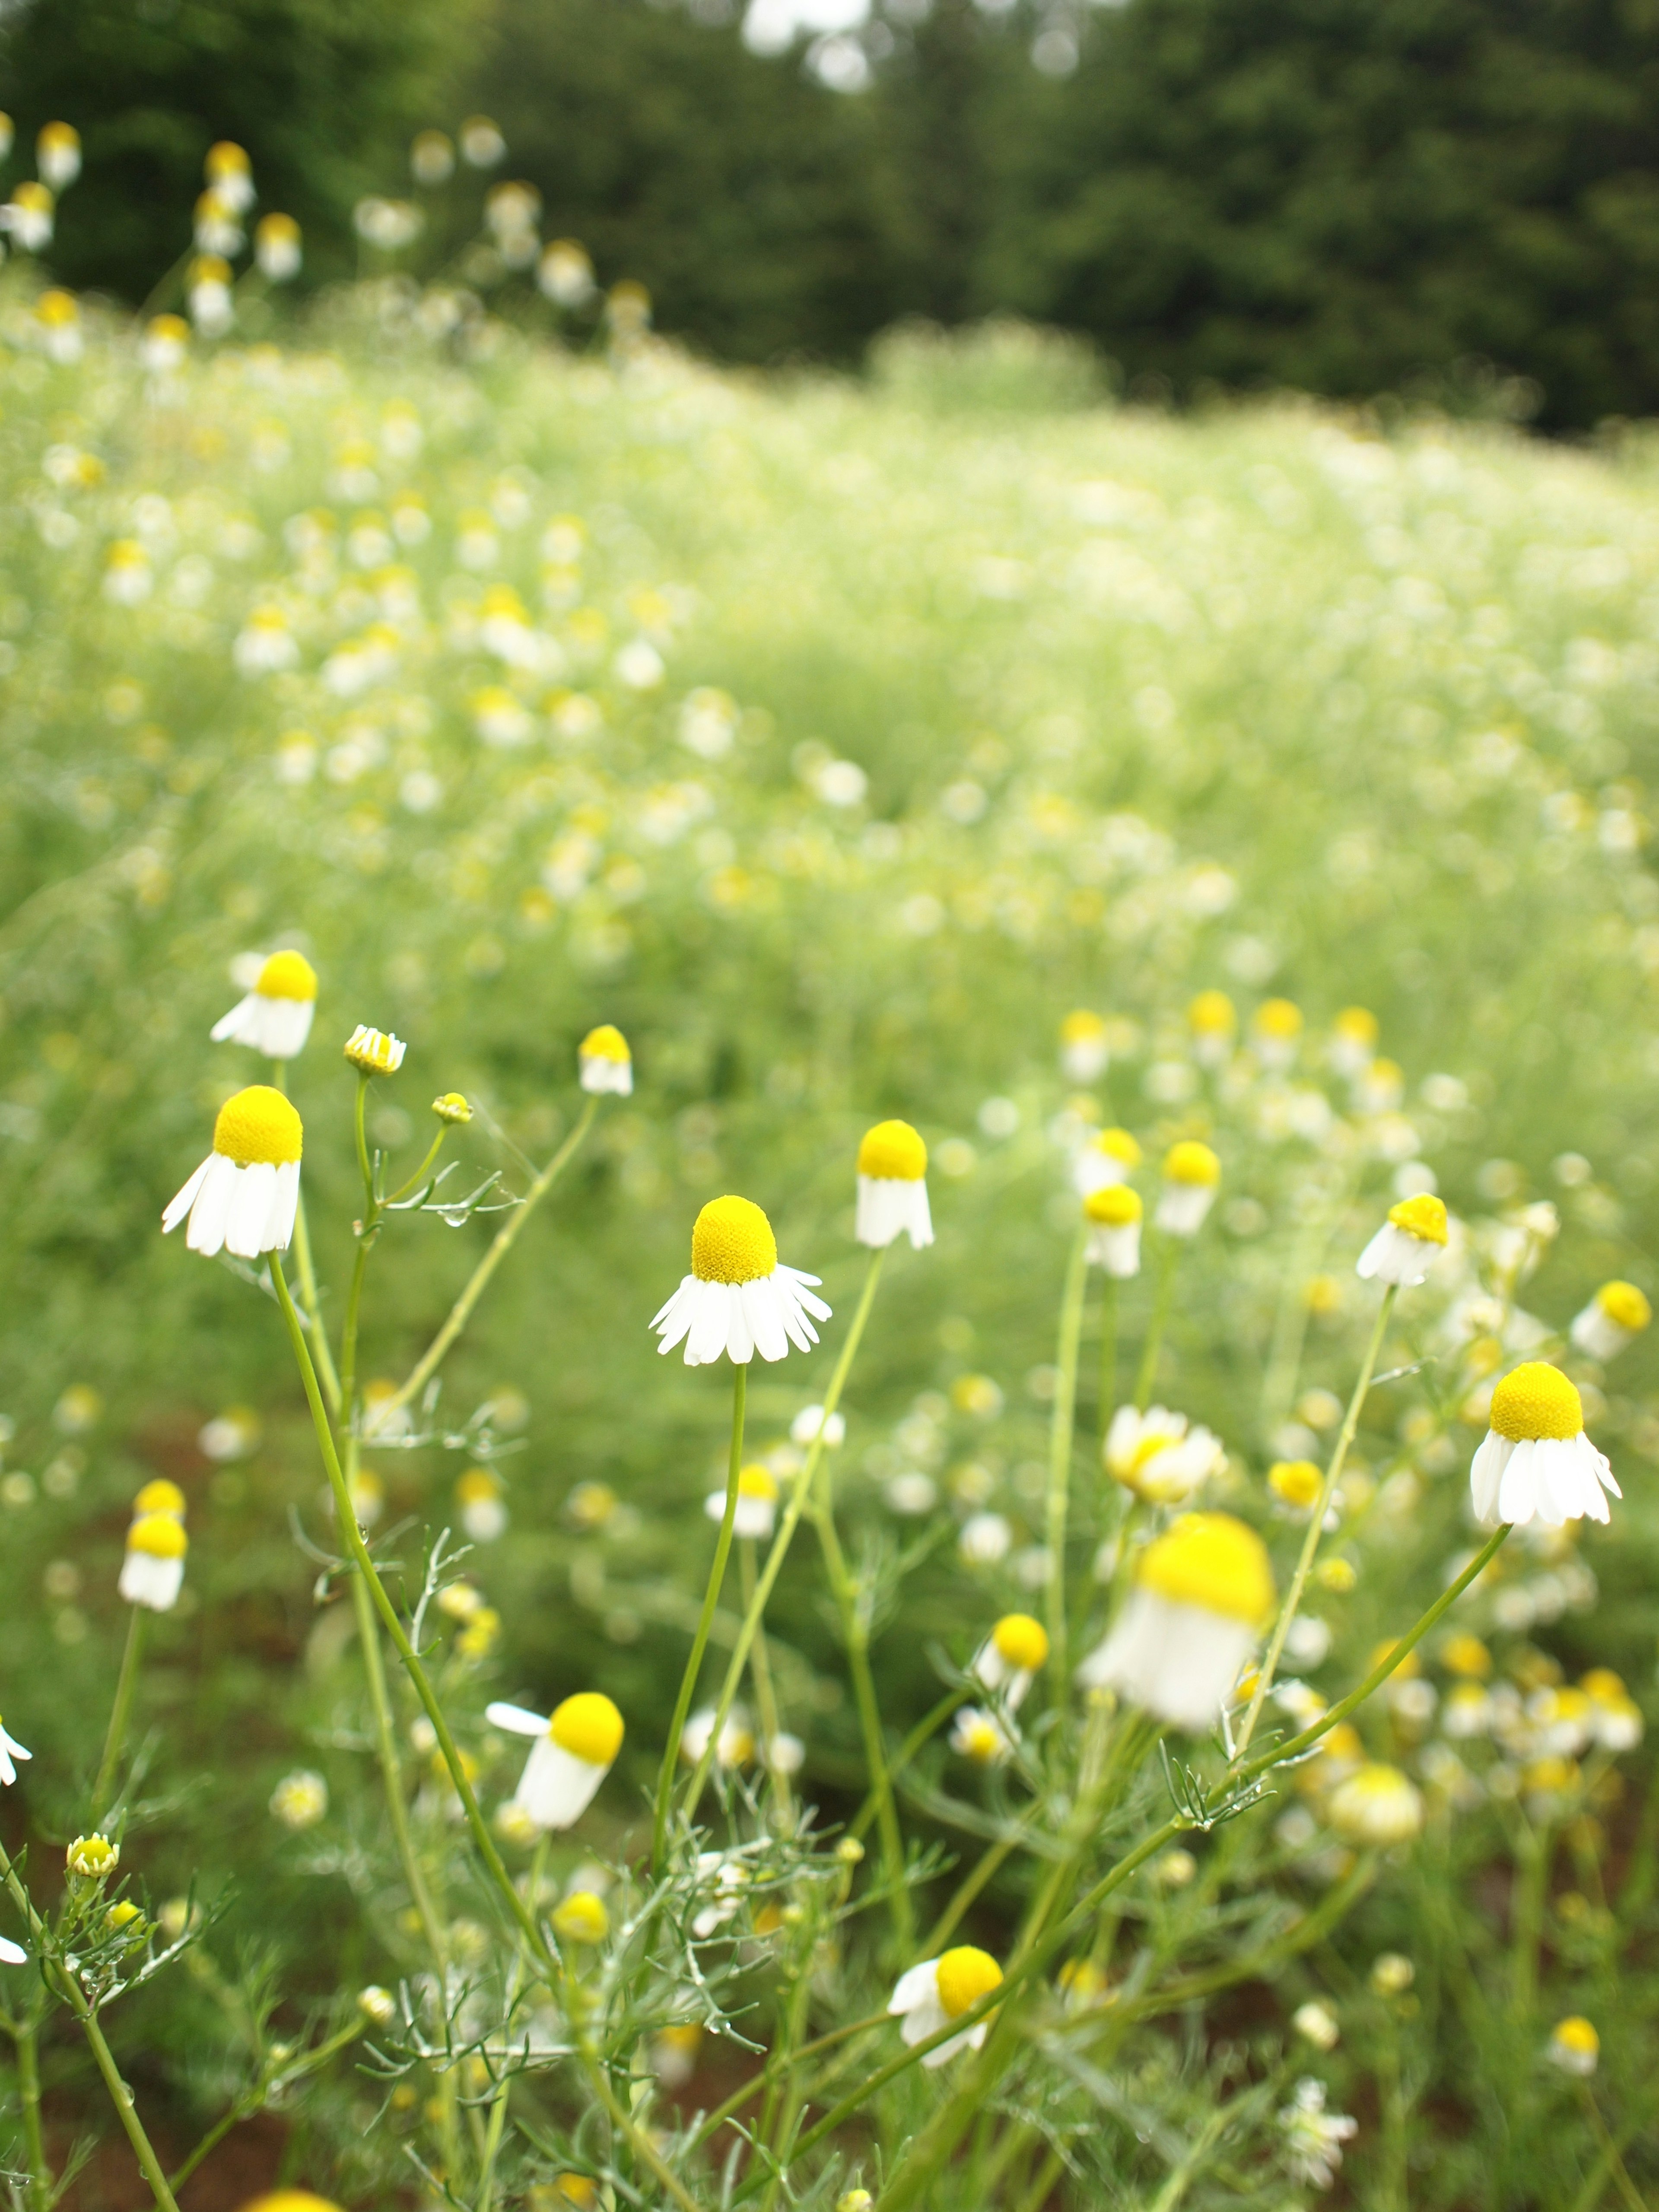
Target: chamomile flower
736	1746
153	1572
1535	1460
374	1052
893	1187
1408	1244
275	1015
481	1506
981	1736
757	1504
1192	1176
1574	2046
1113	1213
1106	1157
739	1300
605	1061
1314	2137
1084	1052
807	1424
1352	1046
929	1996
1214	1024
573	1753
1010	1657
1377	1804
1296	1483
10	1749
11	1954
1276	1032
243	1197
1615	1318
1157	1455
1203	1593
58	155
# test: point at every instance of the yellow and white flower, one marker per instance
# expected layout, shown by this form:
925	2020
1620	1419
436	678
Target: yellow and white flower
300	1799
374	1052
1109	1156
1010	1657
739	1300
1203	1593
1408	1244
1535	1460
1192	1176
1352	1046
153	1572
1083	1050
243	1197
893	1187
1574	2046
736	1746
565	274
757	1504
981	1736
1377	1804
1615	1318
479	1502
165	345
230	173
1113	1214
58	155
929	1996
28	215
573	1753
1276	1032
1213	1021
605	1061
275	1017
811	1420
278	248
10	1749
1159	1455
1616	1720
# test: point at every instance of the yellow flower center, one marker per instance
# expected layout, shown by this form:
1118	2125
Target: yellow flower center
1358	1024
1604	1686
1022	1641
1624	1304
1114	1207
258	1125
1536	1400
582	1918
478	1486
451	1108
1118	1145
1578	2035
1212	1014
758	1482
158	1534
732	1242
1296	1481
1279	1018
964	1976
605	1043
589	1727
1468	1654
981	1741
1192	1163
1212	1560
159	1497
1081	1028
1423	1217
287	976
893	1152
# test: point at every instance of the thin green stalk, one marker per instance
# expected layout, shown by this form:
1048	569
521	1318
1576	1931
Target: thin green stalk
699	1642
1042	2187
969	1888
364	1168
501	1244
776	2066
1609	2160
855	1633
26	2035
420	1172
492	2142
1107	1399
766	1704
1531	1887
799	1498
246	2105
308	1298
1168	1253
121	1712
1059	1458
1634	2200
927	1726
1317	1518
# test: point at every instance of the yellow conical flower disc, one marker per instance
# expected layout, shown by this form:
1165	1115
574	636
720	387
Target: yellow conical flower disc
1576	2034
258	1126
732	1242
965	1977
290	2200
160	1534
1279	1018
478	1486
287	976
1624	1304
1114	1208
605	1043
758	1482
1082	1027
589	1727
1022	1641
1358	1023
893	1152
582	1918
1192	1163
1118	1145
1536	1400
1297	1481
1212	1014
159	1497
1212	1560
1424	1216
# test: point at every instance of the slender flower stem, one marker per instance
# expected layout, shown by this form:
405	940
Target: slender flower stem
420	1172
705	1622
1107	1405
766	1704
928	1726
26	2035
1169	1254
1060	1458
120	1712
1610	2159
800	1497
308	1274
1316	1519
502	1243
246	2105
364	1168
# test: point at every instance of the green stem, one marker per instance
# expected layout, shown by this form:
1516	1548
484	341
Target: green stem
927	1727
1316	1519
1532	1882
433	1150
1059	1461
766	1704
246	2105
364	1168
1610	2162
799	1498
1169	1254
990	1860
308	1298
26	2036
699	1642
855	1633
1107	1405
120	1713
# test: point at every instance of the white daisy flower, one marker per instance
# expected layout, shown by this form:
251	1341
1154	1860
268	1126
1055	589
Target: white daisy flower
1276	1032
1159	1456
1535	1459
605	1061
1010	1657
737	1743
1615	1318
1314	2137
572	1755
1376	1804
1408	1244
1192	1176
278	247
11	1954
10	1749
275	1017
786	1753
1109	1155
981	1736
929	1996
374	1052
1113	1213
482	1509
1214	1024
1203	1593
243	1197
757	1504
804	1429
1353	1045
739	1300
1574	2046
1084	1051
153	1572
893	1187
986	1539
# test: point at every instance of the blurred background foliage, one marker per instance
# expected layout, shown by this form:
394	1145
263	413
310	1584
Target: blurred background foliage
1455	197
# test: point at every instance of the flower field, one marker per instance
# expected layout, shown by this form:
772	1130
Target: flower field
1079	880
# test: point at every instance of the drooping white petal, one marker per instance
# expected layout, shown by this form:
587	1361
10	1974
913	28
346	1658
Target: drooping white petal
915	1985
762	1309
13	1955
180	1203
890	1206
1486	1474
555	1788
925	2018
211	1212
516	1720
1517	1494
711	1322
673	1322
231	1028
279	1226
149	1581
740	1328
250	1209
1176	1661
